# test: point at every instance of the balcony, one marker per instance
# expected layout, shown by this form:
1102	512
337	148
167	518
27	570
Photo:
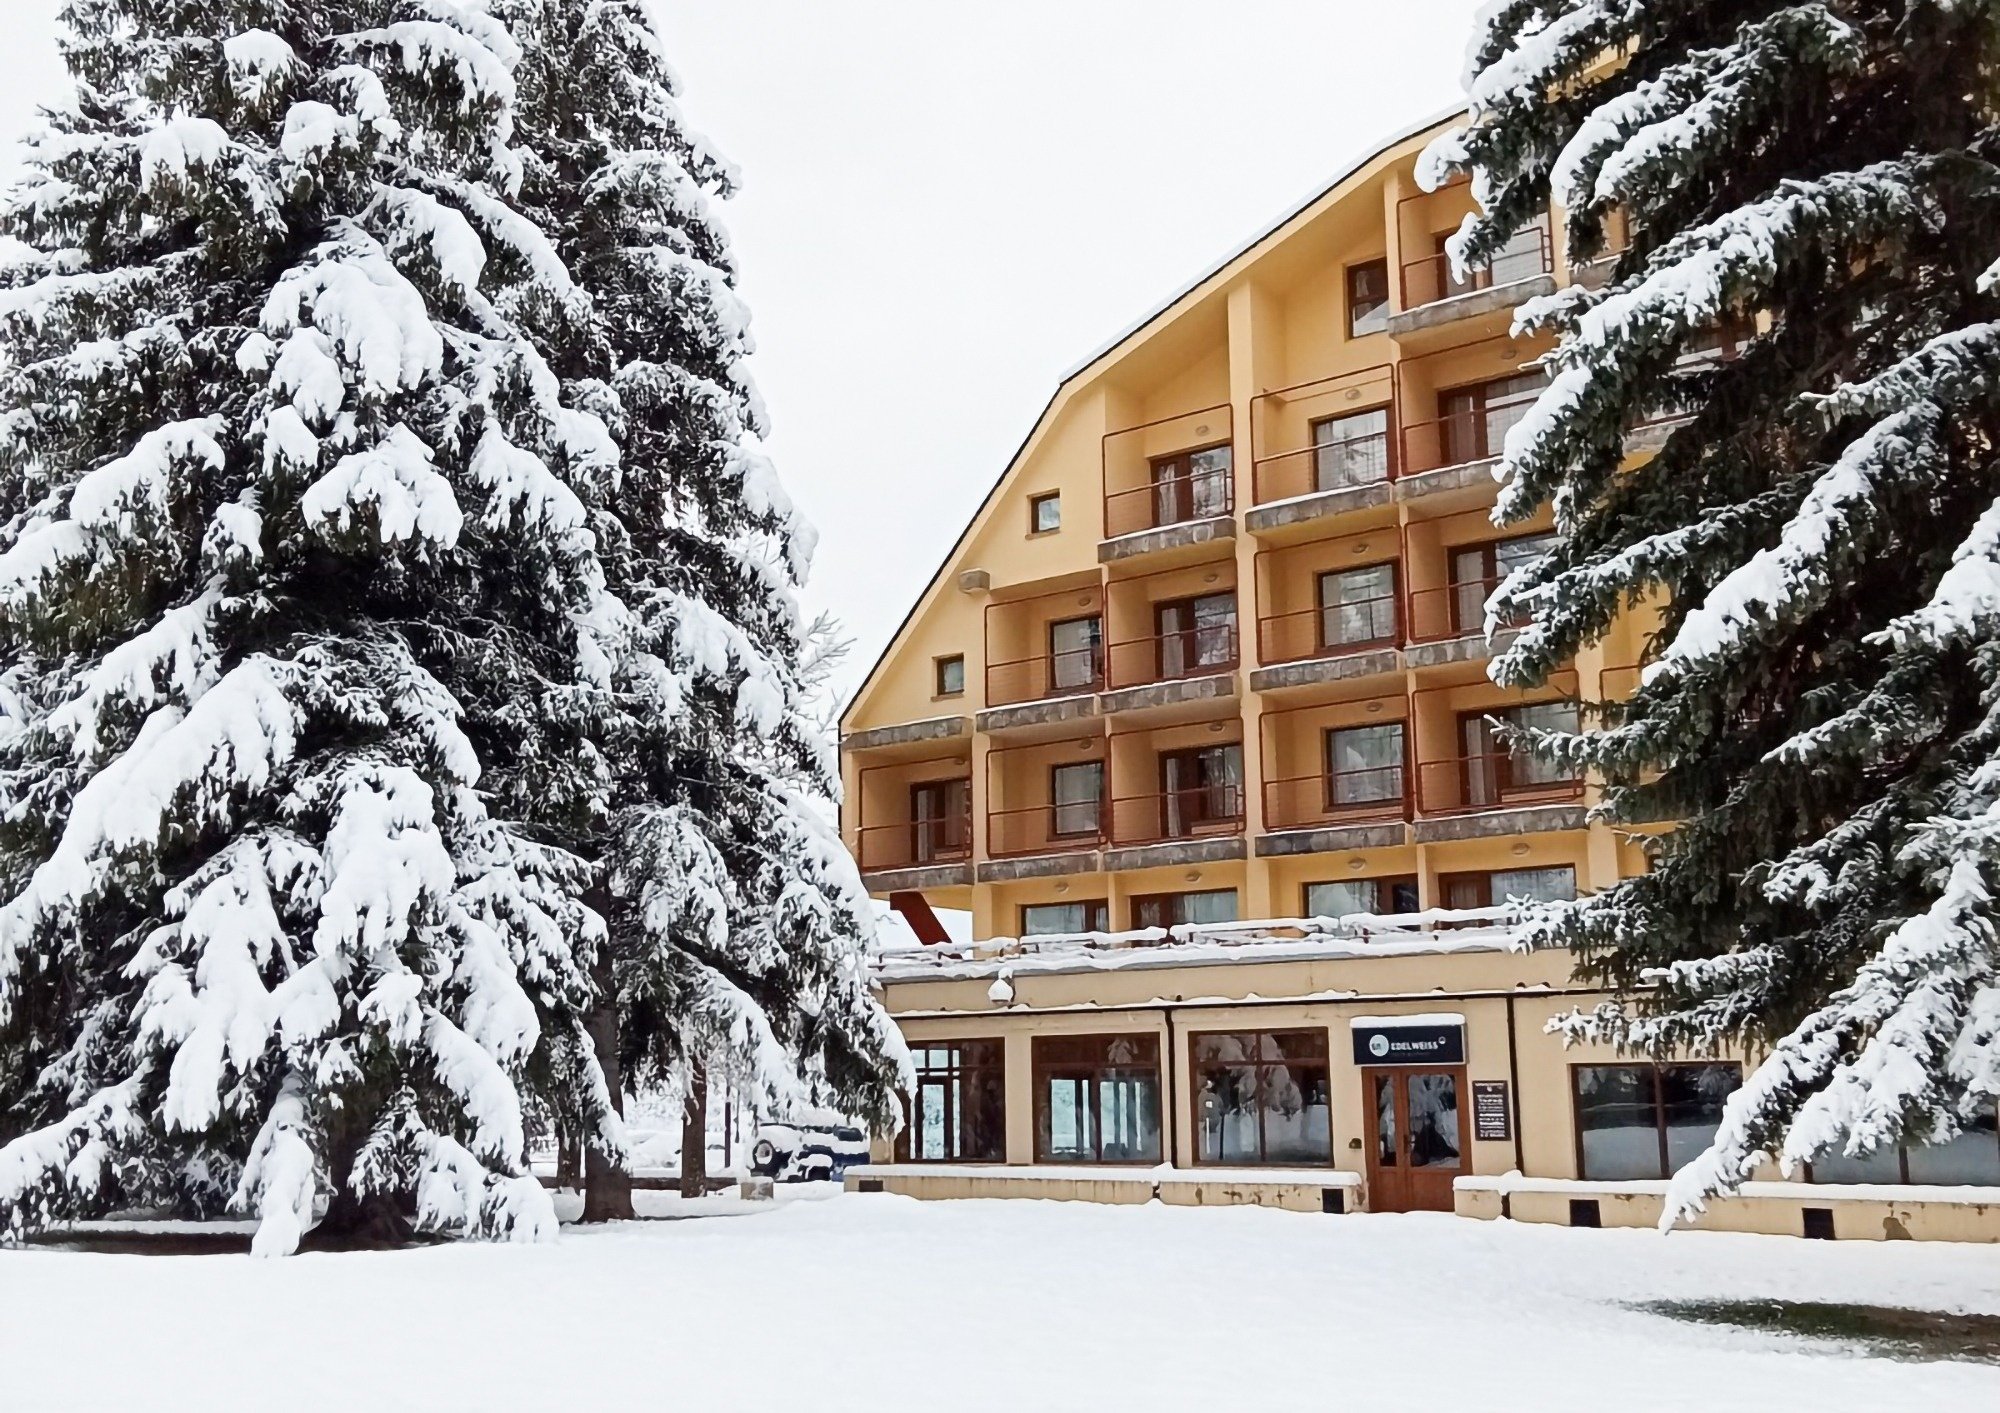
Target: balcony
1196	812
914	844
913	824
1044	660
1440	305
1046	812
1196	663
1338	448
1169	484
1450	792
1447	624
1368	795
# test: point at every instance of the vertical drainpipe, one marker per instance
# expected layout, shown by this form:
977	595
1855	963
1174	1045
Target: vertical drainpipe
1514	1098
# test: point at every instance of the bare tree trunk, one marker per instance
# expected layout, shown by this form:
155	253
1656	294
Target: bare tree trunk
607	1188
694	1133
569	1159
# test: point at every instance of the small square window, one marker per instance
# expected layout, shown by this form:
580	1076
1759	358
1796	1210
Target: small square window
1044	513
951	675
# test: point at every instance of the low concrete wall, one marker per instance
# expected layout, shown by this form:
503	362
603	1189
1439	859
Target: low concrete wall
1288	1190
1888	1213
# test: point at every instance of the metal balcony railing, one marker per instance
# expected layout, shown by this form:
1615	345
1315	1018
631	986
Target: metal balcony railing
1196	812
1497	780
1429	278
1045	828
1374	794
1070	673
1175	656
1172	500
914	843
1335	630
1329	466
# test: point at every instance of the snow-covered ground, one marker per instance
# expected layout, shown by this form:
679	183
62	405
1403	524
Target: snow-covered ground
882	1302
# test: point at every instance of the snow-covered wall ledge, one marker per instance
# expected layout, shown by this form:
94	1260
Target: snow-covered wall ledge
1511	1184
1103	1172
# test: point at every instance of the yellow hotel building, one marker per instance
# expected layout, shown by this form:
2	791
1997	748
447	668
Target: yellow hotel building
1194	722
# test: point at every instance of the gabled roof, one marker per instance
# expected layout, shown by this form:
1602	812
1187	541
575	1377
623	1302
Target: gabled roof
1072	380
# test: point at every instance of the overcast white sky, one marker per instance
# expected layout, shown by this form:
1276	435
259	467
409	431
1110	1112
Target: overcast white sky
946	207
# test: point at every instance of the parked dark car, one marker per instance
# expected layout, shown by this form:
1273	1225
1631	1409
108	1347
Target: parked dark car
807	1152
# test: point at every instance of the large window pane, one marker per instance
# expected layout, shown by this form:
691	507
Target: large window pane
1098	1099
1537	885
1365	764
1358	605
1263	1097
1617	1118
1075	652
1434	1141
958	1110
1352	450
1972	1157
1079	793
1049	919
1691	1098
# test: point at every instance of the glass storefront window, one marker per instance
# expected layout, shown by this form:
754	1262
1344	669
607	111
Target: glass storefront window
1971	1158
959	1108
1097	1099
1263	1097
1645	1121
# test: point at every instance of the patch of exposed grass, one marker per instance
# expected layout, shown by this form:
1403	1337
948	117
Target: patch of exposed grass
1884	1331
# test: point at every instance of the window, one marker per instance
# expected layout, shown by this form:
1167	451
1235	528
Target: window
1076	653
1200	787
958	1108
1195	634
1045	513
1357	607
1097	1098
1077	790
1971	1158
1363	897
1191	485
1262	1097
1487	890
1352	450
1645	1121
1184	909
1477	570
940	820
1364	765
1492	772
1474	420
1053	919
1367	298
951	675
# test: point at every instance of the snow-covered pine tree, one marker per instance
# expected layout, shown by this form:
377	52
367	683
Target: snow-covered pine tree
738	923
296	608
1820	712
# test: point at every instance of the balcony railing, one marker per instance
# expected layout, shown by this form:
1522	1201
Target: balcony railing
1495	781
1454	611
1173	500
1197	812
1073	672
915	843
1462	438
1377	793
1201	651
1335	630
1429	278
1045	828
1330	466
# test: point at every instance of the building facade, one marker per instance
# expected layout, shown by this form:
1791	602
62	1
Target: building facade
1214	648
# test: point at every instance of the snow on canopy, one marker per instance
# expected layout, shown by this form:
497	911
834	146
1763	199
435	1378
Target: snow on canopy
1819	706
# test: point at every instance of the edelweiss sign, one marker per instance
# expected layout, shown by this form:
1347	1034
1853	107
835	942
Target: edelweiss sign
1409	1040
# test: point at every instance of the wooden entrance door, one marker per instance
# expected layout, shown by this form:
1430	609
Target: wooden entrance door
1418	1147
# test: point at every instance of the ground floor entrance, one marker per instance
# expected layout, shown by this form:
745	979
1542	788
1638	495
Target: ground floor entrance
1418	1149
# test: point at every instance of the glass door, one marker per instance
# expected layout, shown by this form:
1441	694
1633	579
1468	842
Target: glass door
940	819
1418	1149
